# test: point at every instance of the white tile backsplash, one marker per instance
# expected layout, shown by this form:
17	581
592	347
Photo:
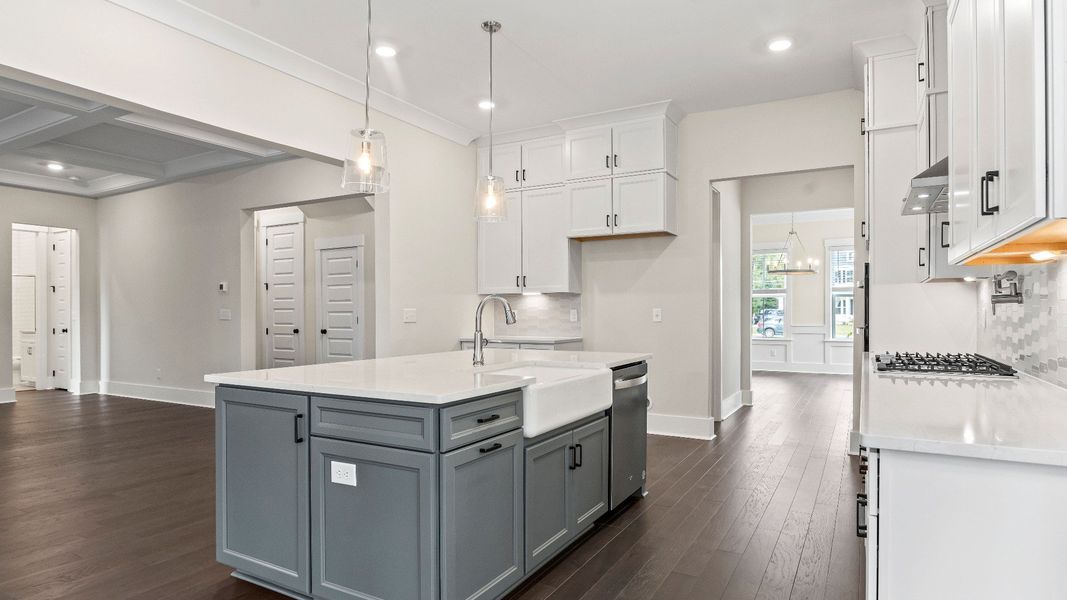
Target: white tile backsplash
1031	336
545	315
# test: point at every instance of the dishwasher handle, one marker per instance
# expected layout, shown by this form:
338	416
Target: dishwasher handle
623	384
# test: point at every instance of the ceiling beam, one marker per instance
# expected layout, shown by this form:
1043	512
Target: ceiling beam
96	159
37	125
185	133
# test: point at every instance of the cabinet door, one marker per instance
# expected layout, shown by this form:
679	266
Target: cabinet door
500	251
1024	199
482	518
261	479
891	90
507	162
588	152
639	203
988	121
378	537
922	236
549	521
591	473
922	70
938	125
550	261
638	146
542	162
937	48
963	175
590	206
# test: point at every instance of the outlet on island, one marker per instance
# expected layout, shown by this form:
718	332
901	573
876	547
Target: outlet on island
342	473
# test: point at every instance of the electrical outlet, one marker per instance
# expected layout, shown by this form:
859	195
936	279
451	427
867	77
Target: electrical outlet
657	315
773	352
342	473
225	314
574	315
409	315
159	374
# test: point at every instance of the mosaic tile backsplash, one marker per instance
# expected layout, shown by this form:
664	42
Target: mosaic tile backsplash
1031	336
544	315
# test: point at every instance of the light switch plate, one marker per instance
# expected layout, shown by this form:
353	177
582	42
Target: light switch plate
409	315
342	473
225	314
657	315
574	315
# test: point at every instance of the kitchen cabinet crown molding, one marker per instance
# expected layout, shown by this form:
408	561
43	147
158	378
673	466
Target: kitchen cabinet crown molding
664	108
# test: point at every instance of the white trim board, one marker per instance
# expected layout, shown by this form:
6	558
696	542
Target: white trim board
700	428
7	395
733	403
158	393
212	29
345	241
817	368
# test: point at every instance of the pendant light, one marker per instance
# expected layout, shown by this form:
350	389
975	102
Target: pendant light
366	170
491	206
795	259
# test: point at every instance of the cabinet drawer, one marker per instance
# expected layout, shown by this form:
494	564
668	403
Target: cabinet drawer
374	422
475	421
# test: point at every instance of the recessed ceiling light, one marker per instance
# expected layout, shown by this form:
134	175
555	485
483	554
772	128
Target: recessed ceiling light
916	208
54	166
74	178
385	51
780	45
1043	255
924	196
486	105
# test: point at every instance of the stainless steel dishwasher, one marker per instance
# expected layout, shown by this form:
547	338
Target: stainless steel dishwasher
629	428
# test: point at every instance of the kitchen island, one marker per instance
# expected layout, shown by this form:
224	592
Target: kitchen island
965	478
422	476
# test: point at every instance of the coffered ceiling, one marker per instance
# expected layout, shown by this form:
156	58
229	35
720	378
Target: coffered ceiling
59	143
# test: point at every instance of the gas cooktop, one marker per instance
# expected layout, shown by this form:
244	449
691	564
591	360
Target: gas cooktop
942	364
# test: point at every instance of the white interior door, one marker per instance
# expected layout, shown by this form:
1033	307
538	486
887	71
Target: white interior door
59	308
284	288
340	304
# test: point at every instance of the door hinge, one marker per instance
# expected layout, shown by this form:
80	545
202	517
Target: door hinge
863	125
53	373
357	319
266	242
266	286
53	247
268	330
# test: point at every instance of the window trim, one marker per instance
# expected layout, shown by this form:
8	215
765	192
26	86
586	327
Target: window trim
830	246
787	291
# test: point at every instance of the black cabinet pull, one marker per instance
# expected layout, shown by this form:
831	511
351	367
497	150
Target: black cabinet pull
322	331
523	281
863	229
861	503
607	161
517	281
919	71
579	454
574	458
496	446
516	174
616	219
616	160
944	237
488	419
607	220
987	211
296	428
524	174
921	263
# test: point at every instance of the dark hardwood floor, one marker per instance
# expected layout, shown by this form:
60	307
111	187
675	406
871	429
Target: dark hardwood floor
111	498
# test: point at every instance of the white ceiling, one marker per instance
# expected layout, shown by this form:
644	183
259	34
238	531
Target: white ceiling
104	150
562	58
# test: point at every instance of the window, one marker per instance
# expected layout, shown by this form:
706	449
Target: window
768	295
841	259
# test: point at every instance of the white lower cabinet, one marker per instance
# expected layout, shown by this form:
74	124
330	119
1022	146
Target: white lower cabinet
530	250
941	527
634	204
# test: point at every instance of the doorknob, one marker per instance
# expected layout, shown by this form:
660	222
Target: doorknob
296	330
322	331
64	330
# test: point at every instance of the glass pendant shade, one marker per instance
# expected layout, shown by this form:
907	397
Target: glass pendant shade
366	168
492	207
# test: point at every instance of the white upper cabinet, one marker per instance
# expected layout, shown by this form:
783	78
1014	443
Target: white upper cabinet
590	208
550	261
588	153
500	251
639	146
891	105
641	204
998	174
536	163
529	251
542	162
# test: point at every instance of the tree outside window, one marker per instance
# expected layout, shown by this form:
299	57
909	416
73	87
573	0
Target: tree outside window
768	295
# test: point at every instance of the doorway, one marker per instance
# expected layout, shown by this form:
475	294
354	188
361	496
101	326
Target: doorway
44	308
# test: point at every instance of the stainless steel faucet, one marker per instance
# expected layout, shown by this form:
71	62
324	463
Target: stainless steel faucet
1006	289
479	339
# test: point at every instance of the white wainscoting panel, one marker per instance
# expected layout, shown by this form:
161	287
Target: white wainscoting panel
805	349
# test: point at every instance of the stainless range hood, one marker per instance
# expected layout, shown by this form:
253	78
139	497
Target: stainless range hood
929	191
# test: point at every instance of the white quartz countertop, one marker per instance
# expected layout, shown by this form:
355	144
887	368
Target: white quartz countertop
1021	420
527	339
440	378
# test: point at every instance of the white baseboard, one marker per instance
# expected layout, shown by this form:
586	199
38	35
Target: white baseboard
854	443
86	386
746	397
819	368
701	428
7	395
732	404
159	393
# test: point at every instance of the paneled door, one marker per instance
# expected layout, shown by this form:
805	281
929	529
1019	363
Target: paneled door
284	288
59	311
546	261
963	178
340	304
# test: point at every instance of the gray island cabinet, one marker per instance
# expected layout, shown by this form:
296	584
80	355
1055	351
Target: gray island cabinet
354	498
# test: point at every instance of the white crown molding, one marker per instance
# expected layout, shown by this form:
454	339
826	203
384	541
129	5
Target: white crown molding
806	216
212	29
664	108
521	135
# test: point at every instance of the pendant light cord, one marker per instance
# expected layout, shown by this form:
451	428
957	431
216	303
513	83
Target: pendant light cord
491	104
366	77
